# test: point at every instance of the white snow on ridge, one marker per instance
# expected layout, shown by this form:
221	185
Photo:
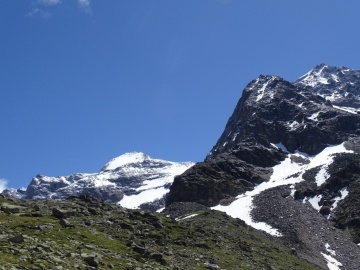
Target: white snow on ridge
280	146
153	189
261	91
328	249
344	193
314	201
347	109
313	78
288	172
283	174
127	158
134	201
324	159
332	263
321	176
314	116
151	179
187	217
293	125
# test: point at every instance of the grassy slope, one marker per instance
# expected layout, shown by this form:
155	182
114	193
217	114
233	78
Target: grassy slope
132	239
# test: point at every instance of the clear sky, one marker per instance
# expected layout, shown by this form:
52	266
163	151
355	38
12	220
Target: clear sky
84	81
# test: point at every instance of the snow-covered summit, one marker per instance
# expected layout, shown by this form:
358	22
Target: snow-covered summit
125	159
339	85
133	180
321	74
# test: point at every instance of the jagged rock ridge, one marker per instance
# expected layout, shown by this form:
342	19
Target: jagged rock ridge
298	141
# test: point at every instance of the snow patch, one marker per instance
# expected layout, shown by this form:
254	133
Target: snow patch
344	193
332	263
187	217
134	201
261	91
347	109
125	159
321	176
153	188
324	159
314	78
235	135
328	249
334	96
283	174
314	116
293	125
292	192
335	78
314	201
280	146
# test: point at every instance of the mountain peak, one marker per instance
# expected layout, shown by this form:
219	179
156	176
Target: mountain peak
340	85
323	75
263	87
125	159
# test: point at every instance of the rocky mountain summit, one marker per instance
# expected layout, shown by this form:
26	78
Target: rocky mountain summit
340	85
289	156
133	179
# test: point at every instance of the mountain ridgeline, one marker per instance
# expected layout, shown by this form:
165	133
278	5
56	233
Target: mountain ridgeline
285	173
289	155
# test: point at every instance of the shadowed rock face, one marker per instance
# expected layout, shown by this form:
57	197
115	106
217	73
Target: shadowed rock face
218	180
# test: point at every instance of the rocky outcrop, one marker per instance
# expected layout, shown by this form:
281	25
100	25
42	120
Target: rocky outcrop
215	181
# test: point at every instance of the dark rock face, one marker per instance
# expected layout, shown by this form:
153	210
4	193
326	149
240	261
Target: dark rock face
270	111
182	209
211	182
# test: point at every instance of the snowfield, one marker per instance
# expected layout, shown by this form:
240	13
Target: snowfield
288	172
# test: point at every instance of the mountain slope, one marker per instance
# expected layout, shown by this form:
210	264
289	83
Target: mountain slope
133	179
86	233
297	142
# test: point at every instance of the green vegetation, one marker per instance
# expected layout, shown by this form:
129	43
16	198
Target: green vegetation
84	233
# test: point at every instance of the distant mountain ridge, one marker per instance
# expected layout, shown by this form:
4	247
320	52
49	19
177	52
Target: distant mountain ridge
133	180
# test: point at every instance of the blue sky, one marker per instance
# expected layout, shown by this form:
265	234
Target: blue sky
84	81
